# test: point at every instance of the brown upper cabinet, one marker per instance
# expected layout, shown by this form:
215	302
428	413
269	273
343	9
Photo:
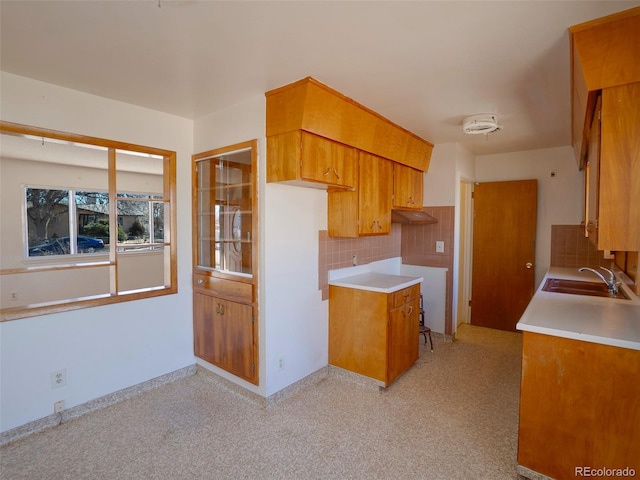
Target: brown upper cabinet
408	186
315	108
366	211
302	158
605	64
317	137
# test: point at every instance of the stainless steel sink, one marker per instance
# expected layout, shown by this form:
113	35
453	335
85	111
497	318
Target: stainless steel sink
576	287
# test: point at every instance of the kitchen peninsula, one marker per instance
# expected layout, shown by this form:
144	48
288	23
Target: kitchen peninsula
580	395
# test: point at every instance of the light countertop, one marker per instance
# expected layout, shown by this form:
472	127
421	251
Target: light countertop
376	282
607	321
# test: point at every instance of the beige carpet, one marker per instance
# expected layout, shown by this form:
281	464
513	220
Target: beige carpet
454	415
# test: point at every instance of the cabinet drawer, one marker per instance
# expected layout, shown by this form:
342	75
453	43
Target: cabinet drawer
220	287
405	295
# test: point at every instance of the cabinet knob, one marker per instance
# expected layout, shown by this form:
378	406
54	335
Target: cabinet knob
529	265
200	281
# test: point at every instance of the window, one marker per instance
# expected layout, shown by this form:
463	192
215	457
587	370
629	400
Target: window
85	221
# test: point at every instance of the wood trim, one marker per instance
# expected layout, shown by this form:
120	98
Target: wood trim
20	129
604	20
8	314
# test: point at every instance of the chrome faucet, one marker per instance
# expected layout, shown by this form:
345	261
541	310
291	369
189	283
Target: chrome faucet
611	281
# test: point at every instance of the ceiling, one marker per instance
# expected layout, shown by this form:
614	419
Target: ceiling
424	65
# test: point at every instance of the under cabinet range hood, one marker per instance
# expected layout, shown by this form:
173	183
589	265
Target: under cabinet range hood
412	217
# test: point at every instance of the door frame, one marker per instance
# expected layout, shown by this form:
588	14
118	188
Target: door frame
465	252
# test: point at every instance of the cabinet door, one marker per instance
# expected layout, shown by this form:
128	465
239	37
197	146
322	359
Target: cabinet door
327	162
374	195
203	320
224	192
592	174
403	338
619	194
224	335
305	159
407	187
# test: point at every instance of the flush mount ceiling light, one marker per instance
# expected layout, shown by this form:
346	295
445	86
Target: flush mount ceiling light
481	123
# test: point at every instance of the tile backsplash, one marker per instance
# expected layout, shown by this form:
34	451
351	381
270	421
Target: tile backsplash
570	248
337	252
416	244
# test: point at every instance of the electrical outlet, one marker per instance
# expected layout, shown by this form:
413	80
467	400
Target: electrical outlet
13	296
439	246
59	378
58	406
281	363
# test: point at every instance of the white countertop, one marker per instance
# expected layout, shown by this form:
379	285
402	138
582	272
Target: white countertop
376	282
608	321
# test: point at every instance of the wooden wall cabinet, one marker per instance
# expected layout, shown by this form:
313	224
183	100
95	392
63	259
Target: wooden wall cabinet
304	159
605	64
372	333
225	259
408	187
619	172
367	210
316	108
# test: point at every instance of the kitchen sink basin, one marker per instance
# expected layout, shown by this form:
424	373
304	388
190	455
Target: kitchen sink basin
576	287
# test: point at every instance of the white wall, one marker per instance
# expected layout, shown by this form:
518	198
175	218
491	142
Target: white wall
559	198
293	319
297	318
440	180
103	349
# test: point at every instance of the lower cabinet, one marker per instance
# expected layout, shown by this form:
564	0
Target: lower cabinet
224	335
374	334
579	407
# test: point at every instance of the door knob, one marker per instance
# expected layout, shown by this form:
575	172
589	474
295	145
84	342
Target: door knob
529	265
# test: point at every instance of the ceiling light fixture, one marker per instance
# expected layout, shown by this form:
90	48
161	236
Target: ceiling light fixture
483	123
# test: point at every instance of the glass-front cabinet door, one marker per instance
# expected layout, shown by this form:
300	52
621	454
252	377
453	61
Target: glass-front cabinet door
225	260
224	211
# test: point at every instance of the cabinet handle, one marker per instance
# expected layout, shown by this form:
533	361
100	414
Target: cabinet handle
410	311
335	172
217	308
221	309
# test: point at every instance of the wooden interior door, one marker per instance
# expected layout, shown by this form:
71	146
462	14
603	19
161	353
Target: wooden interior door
504	233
